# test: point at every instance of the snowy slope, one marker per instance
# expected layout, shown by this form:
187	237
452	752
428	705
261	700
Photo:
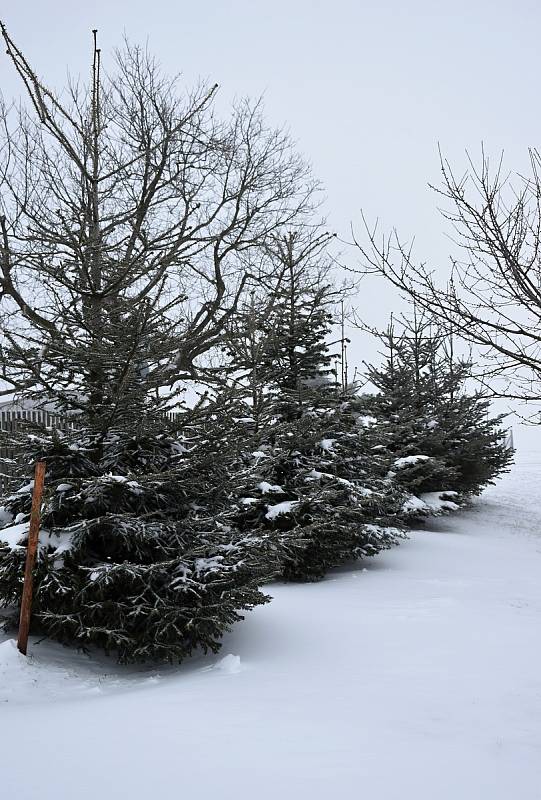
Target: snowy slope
417	677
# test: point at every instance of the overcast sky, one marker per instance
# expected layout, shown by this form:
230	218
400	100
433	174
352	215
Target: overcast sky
368	89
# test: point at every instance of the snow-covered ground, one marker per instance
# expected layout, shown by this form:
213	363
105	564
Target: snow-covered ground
417	675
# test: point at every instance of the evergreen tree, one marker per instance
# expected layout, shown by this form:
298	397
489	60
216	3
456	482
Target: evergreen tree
137	555
436	436
129	216
296	358
298	487
308	475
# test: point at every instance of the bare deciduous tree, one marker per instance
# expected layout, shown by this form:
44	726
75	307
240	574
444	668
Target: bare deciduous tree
491	296
129	218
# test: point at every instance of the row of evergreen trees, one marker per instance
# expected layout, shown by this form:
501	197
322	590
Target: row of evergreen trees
158	533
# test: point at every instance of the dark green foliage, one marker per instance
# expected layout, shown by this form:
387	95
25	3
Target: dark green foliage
424	474
423	410
295	361
472	443
157	534
142	563
308	475
300	489
133	599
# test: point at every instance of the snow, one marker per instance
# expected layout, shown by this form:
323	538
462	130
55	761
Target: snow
15	536
432	502
26	488
439	501
315	475
281	508
366	420
327	445
407	461
61	542
210	564
410	677
265	488
414	503
230	664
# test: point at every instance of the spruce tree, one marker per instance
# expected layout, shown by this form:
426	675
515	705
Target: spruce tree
435	436
137	555
130	217
309	478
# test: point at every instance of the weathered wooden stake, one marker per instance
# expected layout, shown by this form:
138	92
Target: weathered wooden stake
31	550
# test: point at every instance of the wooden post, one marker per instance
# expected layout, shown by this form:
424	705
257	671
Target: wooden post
31	550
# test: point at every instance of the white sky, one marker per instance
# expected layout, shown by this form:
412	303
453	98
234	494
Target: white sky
368	89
